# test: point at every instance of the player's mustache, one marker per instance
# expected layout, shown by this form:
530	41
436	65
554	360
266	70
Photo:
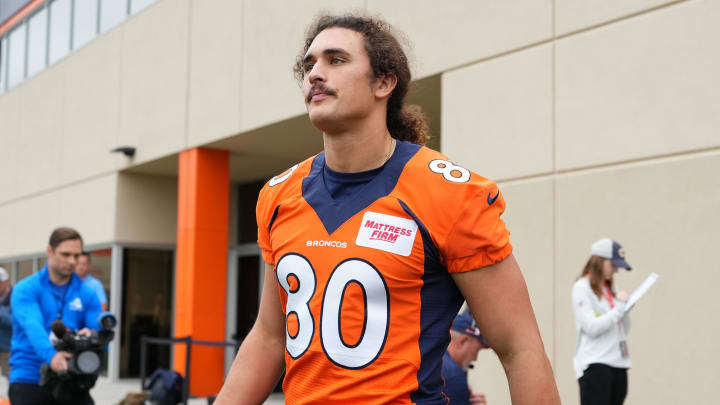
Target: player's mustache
319	87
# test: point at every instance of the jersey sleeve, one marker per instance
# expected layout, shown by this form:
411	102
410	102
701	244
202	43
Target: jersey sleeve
478	237
279	190
263	213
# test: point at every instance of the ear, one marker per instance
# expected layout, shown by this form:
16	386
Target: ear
49	250
384	85
463	339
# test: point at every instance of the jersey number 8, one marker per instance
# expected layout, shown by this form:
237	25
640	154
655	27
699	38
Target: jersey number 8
451	172
377	309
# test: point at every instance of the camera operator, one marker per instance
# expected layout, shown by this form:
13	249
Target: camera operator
54	293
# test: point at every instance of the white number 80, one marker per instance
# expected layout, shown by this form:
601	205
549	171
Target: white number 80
377	315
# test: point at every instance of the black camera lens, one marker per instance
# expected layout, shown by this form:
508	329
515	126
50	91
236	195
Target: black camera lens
108	322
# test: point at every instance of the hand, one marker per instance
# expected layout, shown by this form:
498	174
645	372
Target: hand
477	399
623	296
59	361
84	332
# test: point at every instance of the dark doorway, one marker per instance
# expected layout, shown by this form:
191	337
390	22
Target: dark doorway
146	308
248	295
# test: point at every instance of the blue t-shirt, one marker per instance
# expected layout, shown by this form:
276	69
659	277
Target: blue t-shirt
344	186
456	386
97	286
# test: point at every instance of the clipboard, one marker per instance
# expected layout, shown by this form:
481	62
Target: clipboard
640	291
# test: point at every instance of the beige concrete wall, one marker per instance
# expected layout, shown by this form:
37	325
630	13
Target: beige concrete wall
215	70
628	88
146	209
118	207
572	15
446	35
153	98
502	105
641	87
664	212
89	206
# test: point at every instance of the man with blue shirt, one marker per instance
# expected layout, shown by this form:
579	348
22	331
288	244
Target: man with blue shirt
465	343
82	269
54	293
5	321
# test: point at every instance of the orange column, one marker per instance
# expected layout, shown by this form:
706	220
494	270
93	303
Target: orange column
201	278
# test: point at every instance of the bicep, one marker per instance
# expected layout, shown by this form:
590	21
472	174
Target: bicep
270	315
498	299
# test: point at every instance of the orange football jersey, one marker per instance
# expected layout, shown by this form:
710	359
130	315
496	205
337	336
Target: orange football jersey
365	283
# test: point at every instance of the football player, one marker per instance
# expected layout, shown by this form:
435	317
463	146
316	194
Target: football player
372	245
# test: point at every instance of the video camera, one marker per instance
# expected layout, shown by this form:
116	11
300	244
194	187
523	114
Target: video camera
87	351
86	362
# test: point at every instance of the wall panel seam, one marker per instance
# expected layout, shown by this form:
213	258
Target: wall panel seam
554	37
188	73
624	164
57	188
622	18
241	67
553	231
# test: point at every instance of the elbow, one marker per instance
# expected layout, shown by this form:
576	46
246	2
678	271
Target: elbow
594	331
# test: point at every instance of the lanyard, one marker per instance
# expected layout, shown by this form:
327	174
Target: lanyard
61	307
608	295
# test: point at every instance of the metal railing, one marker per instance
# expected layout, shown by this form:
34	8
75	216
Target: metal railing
188	341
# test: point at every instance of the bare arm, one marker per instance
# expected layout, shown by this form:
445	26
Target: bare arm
499	300
261	358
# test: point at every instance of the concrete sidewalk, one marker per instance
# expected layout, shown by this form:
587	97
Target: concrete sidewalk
107	392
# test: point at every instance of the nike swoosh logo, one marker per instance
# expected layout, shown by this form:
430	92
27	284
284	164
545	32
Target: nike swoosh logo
491	200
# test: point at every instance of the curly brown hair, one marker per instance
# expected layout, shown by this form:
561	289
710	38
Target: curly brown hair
405	122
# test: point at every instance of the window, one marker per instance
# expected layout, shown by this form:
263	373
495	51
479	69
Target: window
37	42
59	29
100	268
138	5
25	268
16	55
3	63
85	23
112	13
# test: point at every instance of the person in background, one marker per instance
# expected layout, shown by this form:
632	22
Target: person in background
82	269
466	341
5	322
54	293
601	355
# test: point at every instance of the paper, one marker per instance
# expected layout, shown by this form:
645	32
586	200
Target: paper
640	291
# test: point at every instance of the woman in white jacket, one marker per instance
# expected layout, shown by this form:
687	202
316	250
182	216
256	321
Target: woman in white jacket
601	355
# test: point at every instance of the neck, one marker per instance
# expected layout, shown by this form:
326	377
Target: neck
57	278
364	147
351	154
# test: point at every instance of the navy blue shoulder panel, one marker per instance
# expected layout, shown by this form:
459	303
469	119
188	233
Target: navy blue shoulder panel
440	301
334	214
272	219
